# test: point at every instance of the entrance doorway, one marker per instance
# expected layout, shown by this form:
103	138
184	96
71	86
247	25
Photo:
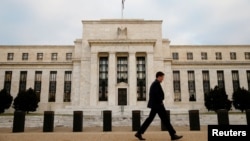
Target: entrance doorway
122	96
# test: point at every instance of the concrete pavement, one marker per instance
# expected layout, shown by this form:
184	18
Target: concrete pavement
96	134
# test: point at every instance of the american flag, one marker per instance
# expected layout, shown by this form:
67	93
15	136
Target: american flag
123	1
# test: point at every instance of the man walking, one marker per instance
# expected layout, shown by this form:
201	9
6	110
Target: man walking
156	97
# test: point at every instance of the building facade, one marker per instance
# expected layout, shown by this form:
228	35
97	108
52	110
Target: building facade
113	65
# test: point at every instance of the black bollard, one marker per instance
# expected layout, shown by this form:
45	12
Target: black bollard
107	120
48	122
222	117
18	122
136	120
248	116
194	120
163	127
77	121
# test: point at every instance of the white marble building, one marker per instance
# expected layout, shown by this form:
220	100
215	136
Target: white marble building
112	66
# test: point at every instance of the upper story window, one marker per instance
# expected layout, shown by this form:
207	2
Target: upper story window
39	56
54	56
175	55
141	78
103	78
218	56
10	56
190	56
25	56
122	69
247	55
68	56
233	55
203	56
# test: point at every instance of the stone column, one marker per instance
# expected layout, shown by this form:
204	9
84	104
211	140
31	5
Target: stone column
169	91
30	79
150	74
85	81
2	75
213	78
199	86
132	94
184	85
112	79
228	81
75	95
15	82
93	80
43	104
243	79
60	86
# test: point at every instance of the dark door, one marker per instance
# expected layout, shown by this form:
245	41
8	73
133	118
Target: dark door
122	96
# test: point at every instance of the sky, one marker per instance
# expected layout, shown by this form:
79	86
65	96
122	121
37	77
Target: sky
185	22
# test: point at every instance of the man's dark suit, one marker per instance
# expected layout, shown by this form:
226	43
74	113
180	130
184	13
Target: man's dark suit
156	97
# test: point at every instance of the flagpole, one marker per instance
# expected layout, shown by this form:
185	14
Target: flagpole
122	11
123	1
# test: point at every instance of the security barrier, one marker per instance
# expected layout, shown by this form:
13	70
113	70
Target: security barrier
222	115
194	120
77	121
19	121
107	121
48	123
136	120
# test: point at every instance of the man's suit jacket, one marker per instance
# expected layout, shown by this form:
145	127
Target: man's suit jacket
156	95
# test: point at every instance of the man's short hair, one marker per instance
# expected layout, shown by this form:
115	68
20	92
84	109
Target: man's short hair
159	73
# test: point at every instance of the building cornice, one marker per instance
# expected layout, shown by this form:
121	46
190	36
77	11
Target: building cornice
202	63
122	42
122	21
36	46
208	46
35	63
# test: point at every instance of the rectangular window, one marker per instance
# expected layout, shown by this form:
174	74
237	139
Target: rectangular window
67	86
122	69
38	84
175	56
220	77
54	56
236	81
68	56
206	82
233	55
10	56
103	78
25	56
122	97
247	55
141	78
218	56
7	81
52	86
39	56
203	56
177	85
248	79
23	80
191	86
189	56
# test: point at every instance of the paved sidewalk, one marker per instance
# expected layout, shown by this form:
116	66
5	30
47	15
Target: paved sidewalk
96	134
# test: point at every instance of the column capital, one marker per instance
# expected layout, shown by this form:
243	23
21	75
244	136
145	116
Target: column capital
151	53
112	52
94	53
132	52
